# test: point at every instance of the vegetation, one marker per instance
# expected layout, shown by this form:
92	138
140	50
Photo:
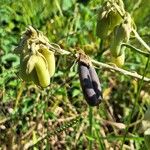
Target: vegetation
58	116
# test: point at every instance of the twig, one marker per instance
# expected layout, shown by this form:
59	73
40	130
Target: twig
57	49
80	131
104	65
136	49
141	40
125	72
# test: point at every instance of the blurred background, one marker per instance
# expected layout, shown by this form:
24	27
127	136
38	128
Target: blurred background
28	112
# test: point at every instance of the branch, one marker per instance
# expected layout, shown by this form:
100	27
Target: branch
104	65
136	49
56	48
125	72
141	40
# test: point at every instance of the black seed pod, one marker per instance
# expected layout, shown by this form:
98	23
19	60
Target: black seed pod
90	84
96	83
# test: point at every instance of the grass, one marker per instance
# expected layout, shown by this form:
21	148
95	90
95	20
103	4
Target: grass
58	117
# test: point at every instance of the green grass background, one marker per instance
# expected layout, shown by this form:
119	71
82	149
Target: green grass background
27	112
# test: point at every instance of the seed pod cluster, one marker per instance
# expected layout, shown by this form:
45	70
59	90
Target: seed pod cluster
108	19
90	83
121	34
37	62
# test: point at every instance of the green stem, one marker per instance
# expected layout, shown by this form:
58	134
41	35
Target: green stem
136	49
90	128
141	40
135	103
101	145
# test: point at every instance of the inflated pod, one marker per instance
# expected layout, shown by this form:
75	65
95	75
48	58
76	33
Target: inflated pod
42	72
119	60
50	58
108	19
27	75
121	34
22	70
90	84
102	28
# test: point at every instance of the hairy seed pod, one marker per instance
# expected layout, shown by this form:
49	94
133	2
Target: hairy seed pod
50	58
90	89
42	72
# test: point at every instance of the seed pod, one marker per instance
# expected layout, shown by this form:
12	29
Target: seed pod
31	63
24	75
108	19
89	84
42	72
50	58
121	34
102	28
95	82
115	47
119	61
22	70
114	19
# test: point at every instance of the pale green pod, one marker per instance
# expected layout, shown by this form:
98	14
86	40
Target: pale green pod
115	48
50	58
28	77
114	19
42	72
119	60
22	70
119	36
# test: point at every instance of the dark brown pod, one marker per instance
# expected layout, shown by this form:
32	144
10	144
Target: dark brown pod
96	83
89	86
